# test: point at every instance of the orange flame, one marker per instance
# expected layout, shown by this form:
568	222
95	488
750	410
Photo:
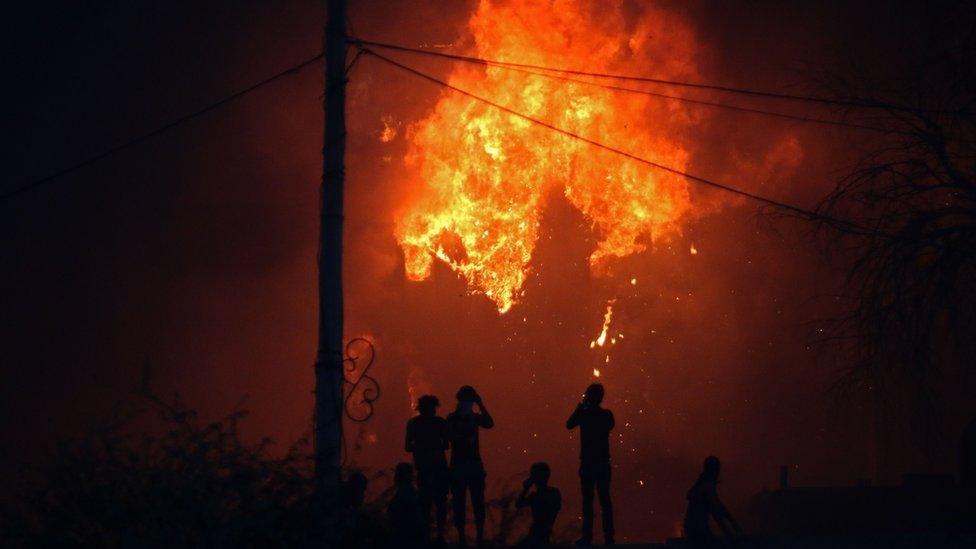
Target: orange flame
484	174
607	316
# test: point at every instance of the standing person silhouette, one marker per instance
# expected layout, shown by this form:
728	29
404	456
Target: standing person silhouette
703	503
595	424
467	470
427	441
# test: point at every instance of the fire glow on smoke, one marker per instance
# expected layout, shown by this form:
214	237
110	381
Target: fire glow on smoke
484	174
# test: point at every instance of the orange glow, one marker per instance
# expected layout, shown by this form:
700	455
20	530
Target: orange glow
483	175
389	132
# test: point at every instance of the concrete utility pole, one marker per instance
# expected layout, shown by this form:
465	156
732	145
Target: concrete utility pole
328	363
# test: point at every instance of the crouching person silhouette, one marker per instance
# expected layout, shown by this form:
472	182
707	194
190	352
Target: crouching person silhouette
407	526
427	440
467	470
356	528
703	503
545	503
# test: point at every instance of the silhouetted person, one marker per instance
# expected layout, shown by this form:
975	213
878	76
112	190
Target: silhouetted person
352	520
967	471
595	424
545	503
467	470
407	525
703	503
427	440
967	459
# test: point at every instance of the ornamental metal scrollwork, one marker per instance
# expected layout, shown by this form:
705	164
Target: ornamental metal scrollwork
362	389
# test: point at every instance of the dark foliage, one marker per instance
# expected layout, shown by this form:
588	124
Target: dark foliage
196	484
911	298
191	484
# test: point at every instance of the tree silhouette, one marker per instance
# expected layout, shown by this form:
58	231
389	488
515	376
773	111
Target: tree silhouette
912	194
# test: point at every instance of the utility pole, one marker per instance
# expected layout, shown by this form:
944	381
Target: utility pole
329	359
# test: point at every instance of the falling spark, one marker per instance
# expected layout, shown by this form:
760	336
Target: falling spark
694	250
633	281
596	372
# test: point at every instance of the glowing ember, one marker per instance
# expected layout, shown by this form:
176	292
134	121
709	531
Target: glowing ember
596	373
694	250
389	129
483	175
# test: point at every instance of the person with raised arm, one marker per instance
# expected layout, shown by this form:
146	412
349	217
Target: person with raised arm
467	471
595	424
545	502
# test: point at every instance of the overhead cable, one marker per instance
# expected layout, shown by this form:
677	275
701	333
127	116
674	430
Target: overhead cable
7	196
648	79
809	214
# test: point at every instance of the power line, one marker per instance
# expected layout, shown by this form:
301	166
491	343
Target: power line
809	214
647	79
162	129
728	106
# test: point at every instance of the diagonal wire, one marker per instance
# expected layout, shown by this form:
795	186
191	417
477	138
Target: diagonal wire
728	106
808	214
696	85
6	197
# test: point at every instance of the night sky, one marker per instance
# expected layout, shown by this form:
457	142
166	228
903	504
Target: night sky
194	253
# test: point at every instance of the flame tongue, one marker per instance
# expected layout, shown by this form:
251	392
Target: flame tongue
485	173
607	316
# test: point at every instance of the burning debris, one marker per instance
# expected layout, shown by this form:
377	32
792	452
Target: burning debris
607	317
389	131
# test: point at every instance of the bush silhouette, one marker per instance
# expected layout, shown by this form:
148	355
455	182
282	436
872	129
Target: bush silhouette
195	484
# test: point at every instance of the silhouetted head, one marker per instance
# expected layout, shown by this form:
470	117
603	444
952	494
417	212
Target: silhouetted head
355	488
466	394
427	405
539	473
711	468
403	474
594	393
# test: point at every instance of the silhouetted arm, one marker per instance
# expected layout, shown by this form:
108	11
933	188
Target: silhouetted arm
409	441
574	418
484	420
611	422
722	516
523	499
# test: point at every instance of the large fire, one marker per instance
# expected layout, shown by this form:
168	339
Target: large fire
484	174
